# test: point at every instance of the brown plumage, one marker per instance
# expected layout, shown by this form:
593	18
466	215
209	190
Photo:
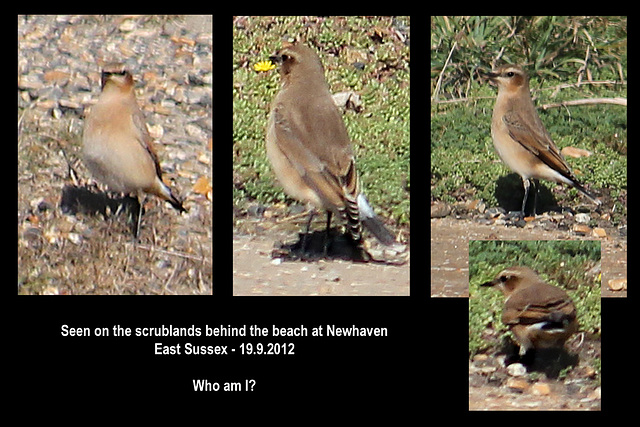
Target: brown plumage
520	138
309	148
539	315
117	147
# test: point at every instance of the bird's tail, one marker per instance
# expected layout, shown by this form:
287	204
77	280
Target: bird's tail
164	191
373	224
584	191
177	204
352	215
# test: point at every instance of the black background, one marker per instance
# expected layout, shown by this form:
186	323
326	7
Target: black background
418	372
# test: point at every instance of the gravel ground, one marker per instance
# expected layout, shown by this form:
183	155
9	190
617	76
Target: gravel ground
450	236
59	64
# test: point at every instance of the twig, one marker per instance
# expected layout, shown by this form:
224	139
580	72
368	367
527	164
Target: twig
599	82
453	101
615	101
172	253
620	73
439	83
165	288
293	217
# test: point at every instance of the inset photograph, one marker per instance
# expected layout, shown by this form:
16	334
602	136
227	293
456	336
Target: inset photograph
534	325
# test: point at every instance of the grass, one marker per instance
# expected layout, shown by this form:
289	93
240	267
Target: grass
379	133
558	53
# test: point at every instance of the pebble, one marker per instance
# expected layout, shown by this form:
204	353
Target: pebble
581	229
583	218
617	284
440	210
575	152
517	384
516	370
540	389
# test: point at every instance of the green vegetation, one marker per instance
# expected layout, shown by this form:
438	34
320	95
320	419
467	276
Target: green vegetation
560	263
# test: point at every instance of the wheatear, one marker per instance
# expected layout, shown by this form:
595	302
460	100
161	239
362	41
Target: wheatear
117	147
539	315
520	138
309	148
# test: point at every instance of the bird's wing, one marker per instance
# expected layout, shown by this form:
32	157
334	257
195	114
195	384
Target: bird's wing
540	303
534	137
316	143
143	137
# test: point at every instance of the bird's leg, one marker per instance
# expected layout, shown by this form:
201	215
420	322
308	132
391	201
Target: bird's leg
305	237
521	213
136	232
526	184
325	248
535	196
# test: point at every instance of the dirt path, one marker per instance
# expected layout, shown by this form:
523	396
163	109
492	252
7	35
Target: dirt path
256	273
450	252
493	386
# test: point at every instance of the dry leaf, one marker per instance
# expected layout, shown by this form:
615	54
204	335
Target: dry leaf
202	185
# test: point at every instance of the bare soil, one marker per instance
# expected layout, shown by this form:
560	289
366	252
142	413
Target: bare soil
450	251
491	387
257	272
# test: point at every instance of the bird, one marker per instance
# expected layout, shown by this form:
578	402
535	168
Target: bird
117	148
309	148
540	315
520	138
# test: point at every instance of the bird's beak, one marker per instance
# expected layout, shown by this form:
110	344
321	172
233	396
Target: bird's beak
491	76
276	59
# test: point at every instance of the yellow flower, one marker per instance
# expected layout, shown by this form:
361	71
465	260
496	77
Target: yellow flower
264	66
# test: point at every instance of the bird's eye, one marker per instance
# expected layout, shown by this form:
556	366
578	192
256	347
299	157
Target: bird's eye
511	74
503	278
